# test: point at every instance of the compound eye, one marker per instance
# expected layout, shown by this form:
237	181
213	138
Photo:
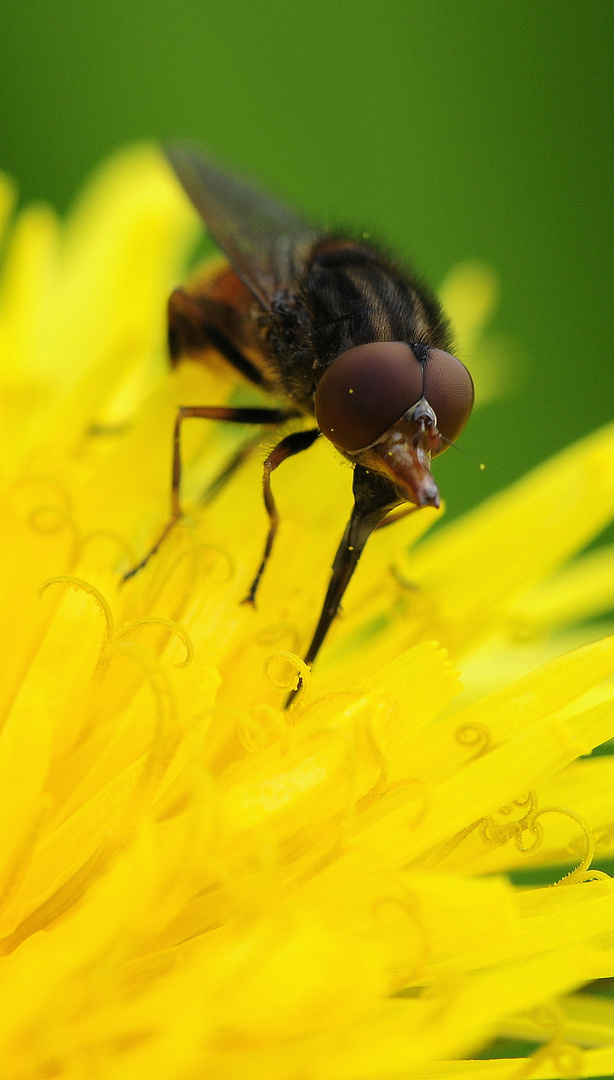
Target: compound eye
448	388
366	390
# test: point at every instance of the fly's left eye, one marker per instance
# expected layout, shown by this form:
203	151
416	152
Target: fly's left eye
366	390
448	388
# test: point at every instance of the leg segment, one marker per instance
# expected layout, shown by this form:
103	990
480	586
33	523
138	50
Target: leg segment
292	444
205	412
374	497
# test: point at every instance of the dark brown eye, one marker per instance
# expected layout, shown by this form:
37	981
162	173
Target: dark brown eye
366	390
448	388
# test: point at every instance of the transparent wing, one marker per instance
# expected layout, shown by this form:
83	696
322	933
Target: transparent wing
266	242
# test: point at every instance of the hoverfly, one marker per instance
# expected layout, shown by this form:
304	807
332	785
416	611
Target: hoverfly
330	327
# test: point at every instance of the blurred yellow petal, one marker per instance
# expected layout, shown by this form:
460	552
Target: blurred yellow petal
581	591
541	521
469	295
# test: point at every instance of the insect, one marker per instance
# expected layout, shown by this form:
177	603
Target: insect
335	332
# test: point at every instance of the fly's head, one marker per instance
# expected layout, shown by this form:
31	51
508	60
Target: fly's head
391	407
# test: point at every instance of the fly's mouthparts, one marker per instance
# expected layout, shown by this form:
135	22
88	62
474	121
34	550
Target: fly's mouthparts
421	413
403	455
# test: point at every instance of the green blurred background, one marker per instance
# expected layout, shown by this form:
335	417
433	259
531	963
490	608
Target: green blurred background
452	129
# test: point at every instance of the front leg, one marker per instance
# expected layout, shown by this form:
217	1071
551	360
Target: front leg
292	444
374	497
205	412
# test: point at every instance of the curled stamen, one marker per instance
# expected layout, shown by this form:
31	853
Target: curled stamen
383	707
578	874
190	554
404	899
400	579
360	737
49	481
91	590
565	1056
476	736
108	534
160	580
603	837
51	520
260	727
530	800
537	831
498	833
352	695
231	563
450	845
223	722
300	678
567	1059
548	1017
409	907
163	743
423	786
154	675
171	625
342	825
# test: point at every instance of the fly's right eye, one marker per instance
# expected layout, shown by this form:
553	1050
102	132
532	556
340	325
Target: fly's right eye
365	391
448	388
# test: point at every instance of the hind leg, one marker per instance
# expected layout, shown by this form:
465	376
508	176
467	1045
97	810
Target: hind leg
204	412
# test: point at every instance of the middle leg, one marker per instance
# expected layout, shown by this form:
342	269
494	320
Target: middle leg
292	444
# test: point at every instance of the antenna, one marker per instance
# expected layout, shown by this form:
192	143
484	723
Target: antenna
480	464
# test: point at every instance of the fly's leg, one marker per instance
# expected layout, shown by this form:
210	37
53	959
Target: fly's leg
204	412
374	497
292	444
195	324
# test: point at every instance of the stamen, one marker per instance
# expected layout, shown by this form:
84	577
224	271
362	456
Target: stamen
160	581
476	736
566	1057
230	561
50	520
48	481
91	590
298	681
164	740
108	534
261	726
171	625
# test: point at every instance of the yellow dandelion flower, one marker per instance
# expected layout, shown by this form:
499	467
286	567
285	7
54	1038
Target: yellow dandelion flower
197	883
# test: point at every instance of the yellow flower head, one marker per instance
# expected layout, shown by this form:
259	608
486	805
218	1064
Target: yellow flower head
195	882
